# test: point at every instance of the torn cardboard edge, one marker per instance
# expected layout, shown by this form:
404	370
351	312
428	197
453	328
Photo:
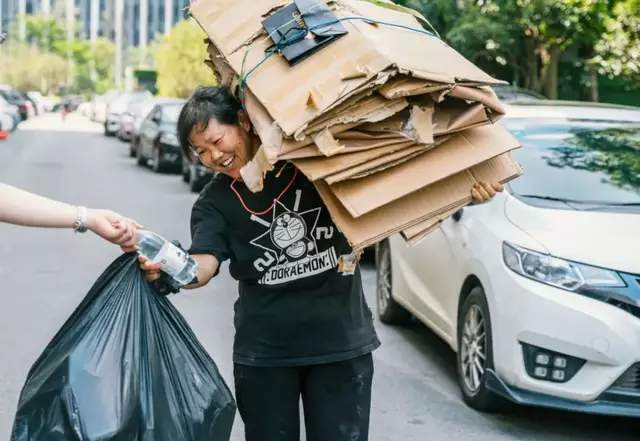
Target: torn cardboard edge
254	171
377	165
327	144
418	232
352	145
460	152
318	168
421	123
232	23
419	206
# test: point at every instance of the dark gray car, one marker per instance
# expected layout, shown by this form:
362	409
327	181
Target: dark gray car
159	146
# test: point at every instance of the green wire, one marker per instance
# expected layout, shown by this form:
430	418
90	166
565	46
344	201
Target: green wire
244	78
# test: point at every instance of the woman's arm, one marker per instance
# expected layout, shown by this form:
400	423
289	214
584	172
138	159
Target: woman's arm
23	208
207	269
20	207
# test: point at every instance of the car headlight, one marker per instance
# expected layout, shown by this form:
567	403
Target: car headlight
169	139
558	272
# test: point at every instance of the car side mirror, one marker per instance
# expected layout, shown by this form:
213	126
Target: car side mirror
457	215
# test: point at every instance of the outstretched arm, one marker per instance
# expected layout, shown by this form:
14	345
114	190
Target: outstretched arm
20	207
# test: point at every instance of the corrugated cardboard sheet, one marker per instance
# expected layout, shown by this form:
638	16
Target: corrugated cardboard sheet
420	206
393	126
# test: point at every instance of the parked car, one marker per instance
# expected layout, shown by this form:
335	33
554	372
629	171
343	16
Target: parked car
132	117
12	96
99	105
7	124
38	101
118	106
538	290
42	103
69	102
159	143
139	118
510	94
194	173
11	111
31	105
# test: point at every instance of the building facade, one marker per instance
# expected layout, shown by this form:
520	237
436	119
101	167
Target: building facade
142	20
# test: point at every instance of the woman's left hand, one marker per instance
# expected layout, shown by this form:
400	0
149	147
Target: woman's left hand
483	191
114	228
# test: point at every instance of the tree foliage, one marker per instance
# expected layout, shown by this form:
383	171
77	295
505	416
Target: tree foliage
31	68
43	31
180	60
48	62
526	41
618	52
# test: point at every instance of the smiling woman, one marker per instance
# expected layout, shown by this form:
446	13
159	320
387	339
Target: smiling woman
216	128
303	327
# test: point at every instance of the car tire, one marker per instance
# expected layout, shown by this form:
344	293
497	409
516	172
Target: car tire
195	184
132	150
157	164
389	311
186	171
142	159
475	353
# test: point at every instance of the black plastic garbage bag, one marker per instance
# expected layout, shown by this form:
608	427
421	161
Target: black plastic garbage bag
125	366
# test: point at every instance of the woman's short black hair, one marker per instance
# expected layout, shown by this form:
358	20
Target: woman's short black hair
204	104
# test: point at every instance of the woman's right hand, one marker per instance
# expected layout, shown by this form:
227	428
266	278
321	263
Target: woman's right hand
151	270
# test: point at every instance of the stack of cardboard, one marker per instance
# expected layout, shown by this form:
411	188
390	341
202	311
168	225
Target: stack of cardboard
392	125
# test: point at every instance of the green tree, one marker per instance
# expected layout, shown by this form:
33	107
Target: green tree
92	66
179	59
618	52
30	68
442	14
522	39
43	31
102	56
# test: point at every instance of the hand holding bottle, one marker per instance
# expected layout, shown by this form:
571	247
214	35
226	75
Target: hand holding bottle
157	254
151	270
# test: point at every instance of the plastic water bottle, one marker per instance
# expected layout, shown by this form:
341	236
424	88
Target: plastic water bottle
173	261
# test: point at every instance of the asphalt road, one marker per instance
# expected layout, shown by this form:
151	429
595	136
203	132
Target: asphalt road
44	274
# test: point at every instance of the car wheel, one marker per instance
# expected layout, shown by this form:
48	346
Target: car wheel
186	171
142	161
475	352
389	310
195	184
132	150
157	165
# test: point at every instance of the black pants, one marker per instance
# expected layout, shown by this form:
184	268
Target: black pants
336	398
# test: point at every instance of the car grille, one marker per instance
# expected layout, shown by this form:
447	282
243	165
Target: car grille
630	379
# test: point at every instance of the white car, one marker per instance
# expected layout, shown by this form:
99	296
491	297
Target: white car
100	104
7	123
538	290
119	106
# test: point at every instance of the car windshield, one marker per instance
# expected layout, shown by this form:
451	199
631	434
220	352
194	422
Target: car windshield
578	163
171	112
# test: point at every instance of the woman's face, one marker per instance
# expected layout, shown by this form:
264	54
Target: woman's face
223	148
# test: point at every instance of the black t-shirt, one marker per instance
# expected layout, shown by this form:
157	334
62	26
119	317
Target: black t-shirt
294	307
